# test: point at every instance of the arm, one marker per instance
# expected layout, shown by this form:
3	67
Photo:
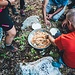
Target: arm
57	42
44	4
52	40
57	11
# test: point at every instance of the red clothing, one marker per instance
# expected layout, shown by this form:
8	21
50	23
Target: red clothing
66	42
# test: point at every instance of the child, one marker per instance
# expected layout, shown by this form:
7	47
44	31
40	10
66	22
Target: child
47	6
7	24
66	42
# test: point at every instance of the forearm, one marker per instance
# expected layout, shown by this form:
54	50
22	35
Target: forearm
57	11
44	9
52	40
44	14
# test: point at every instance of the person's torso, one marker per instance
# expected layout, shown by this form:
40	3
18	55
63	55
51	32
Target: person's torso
68	44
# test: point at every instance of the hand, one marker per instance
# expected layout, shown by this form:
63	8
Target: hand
64	23
50	16
47	22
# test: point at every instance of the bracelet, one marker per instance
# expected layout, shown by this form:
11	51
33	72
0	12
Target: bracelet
9	4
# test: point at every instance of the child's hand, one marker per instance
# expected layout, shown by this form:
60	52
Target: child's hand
50	16
47	22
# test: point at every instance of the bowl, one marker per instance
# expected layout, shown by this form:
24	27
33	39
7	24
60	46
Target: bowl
32	36
36	26
53	31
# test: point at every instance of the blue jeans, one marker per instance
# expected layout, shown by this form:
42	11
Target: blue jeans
49	7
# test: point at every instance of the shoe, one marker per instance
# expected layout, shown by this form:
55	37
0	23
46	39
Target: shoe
61	62
14	11
11	48
22	13
56	64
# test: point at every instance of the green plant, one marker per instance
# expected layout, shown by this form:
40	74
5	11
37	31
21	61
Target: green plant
4	55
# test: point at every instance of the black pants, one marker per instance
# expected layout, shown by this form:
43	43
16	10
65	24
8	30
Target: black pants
5	20
22	3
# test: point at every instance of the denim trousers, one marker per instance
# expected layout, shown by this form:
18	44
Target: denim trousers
50	6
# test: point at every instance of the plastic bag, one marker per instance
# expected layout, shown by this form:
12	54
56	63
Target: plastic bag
42	66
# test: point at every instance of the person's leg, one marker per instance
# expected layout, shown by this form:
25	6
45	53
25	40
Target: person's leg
49	6
10	35
7	25
22	3
58	15
14	10
59	63
9	38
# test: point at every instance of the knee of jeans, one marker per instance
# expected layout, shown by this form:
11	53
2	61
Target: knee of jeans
56	17
48	9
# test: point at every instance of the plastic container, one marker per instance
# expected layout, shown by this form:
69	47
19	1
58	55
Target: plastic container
42	66
36	26
53	31
31	36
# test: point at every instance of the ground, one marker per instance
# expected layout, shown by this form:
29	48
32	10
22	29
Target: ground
26	53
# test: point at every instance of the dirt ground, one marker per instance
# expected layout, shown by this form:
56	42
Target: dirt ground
26	53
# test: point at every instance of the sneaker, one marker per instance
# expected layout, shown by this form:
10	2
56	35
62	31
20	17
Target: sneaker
22	12
61	62
14	11
56	64
11	48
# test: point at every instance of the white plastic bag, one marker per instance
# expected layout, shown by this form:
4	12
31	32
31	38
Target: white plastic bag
29	21
42	66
